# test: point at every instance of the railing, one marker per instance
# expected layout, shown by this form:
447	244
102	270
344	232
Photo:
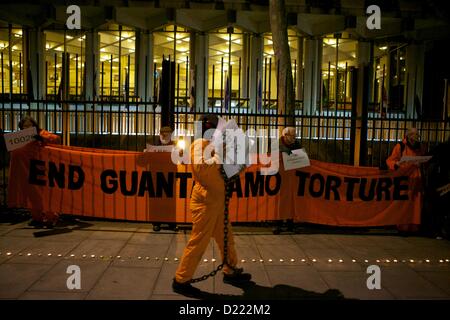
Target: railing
326	136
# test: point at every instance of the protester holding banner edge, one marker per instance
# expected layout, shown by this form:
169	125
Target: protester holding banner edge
288	142
39	218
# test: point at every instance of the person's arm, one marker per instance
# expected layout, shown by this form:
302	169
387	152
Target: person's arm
203	168
48	137
395	156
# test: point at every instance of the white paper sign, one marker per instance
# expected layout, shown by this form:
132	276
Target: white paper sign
236	160
18	139
415	159
152	148
297	159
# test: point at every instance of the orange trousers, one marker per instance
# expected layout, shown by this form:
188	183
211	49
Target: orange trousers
207	223
207	207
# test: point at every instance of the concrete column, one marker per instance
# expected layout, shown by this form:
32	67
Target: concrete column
92	65
299	76
313	75
363	53
199	69
35	53
415	59
364	58
256	68
143	65
245	66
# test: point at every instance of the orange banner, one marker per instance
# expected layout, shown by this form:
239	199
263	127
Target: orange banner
149	187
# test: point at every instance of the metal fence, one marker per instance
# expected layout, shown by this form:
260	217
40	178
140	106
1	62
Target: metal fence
327	136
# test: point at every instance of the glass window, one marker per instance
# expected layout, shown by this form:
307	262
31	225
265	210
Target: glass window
56	44
270	68
117	62
172	43
11	55
224	70
390	78
338	55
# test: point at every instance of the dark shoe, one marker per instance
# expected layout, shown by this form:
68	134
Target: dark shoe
36	223
238	276
50	224
185	289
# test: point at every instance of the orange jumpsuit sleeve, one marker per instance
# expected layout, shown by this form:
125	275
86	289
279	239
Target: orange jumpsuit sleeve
206	171
394	157
50	137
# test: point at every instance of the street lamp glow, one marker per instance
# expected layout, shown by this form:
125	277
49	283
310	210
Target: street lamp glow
181	144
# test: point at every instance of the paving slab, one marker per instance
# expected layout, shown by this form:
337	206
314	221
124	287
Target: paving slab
331	260
16	278
282	239
439	279
405	283
302	277
151	238
353	285
141	256
110	235
108	255
13	245
50	295
98	248
124	284
315	241
55	280
44	252
281	254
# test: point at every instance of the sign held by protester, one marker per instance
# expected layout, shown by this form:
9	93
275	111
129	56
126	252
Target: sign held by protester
296	160
18	139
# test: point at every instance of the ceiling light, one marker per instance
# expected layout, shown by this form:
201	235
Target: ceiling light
383	48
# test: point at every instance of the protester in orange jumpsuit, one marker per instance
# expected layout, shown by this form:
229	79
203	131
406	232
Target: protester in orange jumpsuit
410	146
207	207
39	218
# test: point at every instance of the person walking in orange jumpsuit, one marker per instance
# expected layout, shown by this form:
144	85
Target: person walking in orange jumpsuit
207	207
39	218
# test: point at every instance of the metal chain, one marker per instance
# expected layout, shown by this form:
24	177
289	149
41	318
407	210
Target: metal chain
228	192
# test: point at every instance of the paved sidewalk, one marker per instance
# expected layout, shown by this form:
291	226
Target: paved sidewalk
121	260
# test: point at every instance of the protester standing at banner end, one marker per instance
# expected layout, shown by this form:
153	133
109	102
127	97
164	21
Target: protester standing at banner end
208	217
39	218
410	146
42	135
165	139
287	143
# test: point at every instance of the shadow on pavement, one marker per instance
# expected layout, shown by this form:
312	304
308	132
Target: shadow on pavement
252	291
13	216
65	226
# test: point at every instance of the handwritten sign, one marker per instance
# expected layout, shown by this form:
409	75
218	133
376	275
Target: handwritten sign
415	159
152	148
297	159
18	139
